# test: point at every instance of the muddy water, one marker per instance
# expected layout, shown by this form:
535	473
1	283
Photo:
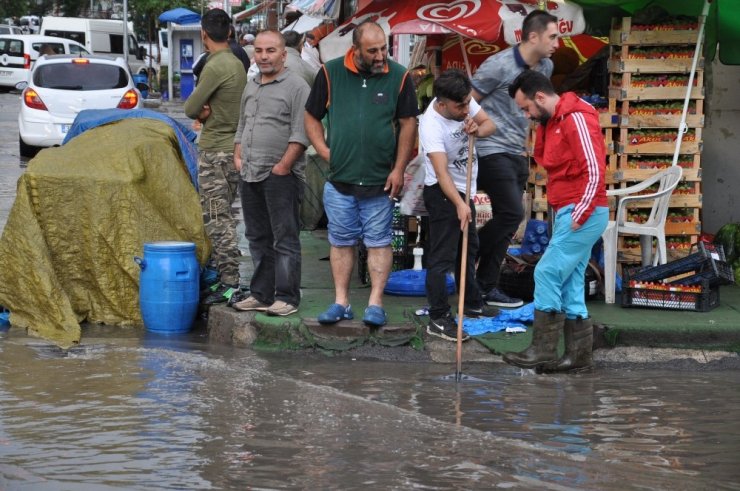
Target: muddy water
141	412
131	411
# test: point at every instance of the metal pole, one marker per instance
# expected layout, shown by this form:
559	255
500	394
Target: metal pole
125	30
682	128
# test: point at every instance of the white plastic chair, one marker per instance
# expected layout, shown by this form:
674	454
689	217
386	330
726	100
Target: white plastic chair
654	226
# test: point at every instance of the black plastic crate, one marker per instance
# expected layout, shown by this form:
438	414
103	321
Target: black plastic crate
708	263
660	297
715	272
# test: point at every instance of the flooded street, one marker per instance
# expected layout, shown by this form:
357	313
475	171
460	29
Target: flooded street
131	410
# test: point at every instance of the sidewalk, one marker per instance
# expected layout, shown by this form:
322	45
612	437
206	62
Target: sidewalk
695	334
638	334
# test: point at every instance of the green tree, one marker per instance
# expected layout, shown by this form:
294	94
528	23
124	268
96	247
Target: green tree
13	8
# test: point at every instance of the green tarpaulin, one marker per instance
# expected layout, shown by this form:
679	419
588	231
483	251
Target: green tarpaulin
723	20
82	212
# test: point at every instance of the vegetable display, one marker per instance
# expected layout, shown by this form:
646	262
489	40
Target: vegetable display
729	238
654	108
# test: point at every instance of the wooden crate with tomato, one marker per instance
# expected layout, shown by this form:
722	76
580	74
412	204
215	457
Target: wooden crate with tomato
678	31
630	162
654	86
677	247
660	114
657	141
653	59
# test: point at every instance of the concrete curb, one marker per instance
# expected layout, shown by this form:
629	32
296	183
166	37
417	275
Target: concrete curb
242	330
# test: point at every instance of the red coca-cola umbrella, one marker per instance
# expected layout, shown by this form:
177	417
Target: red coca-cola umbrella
483	20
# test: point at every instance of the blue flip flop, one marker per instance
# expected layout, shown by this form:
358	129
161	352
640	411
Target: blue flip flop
374	316
336	313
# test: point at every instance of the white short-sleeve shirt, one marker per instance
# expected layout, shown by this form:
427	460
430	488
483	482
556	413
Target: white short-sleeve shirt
439	134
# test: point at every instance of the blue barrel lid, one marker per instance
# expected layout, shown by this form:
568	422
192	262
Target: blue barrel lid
169	246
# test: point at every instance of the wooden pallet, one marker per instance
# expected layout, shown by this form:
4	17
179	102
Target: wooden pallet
629	142
638	161
627	87
640	115
676	201
625	59
609	120
637	175
624	33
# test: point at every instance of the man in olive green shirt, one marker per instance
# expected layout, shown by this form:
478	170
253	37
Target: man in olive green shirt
215	103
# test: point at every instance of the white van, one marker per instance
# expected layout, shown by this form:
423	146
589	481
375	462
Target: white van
159	49
18	52
99	36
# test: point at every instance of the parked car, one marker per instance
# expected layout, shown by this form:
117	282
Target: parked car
60	86
18	53
30	24
8	29
99	36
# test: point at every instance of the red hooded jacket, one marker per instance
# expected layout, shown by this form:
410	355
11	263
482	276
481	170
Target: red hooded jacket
571	149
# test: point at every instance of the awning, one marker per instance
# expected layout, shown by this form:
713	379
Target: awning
303	24
245	14
328	9
180	16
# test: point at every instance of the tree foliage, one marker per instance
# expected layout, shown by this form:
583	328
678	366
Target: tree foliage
145	13
13	8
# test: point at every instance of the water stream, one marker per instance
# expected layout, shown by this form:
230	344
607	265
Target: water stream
146	412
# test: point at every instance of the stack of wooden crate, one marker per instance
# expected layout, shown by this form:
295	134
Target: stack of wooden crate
649	73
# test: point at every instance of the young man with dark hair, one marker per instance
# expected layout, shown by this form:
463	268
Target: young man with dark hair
570	146
371	111
504	169
215	103
444	132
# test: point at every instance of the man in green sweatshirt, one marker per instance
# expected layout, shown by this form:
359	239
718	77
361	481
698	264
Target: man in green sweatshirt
215	103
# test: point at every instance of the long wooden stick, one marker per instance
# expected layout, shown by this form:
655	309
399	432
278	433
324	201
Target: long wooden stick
464	260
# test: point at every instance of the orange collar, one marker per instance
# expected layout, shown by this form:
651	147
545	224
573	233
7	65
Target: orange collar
349	63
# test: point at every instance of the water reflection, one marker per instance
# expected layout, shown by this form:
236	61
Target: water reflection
143	412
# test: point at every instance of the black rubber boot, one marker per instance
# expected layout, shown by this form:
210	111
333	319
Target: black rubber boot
544	347
579	340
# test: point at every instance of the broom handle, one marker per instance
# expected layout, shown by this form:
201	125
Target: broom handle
464	259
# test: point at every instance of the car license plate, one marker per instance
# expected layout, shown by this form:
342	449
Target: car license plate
5	73
65	129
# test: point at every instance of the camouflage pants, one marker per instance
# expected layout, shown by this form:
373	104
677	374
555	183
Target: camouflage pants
218	181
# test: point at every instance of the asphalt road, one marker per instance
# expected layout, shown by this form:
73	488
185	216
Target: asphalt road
11	163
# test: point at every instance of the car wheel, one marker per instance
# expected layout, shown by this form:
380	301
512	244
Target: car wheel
27	150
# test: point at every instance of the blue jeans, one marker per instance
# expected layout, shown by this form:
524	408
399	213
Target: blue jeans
352	219
272	228
559	277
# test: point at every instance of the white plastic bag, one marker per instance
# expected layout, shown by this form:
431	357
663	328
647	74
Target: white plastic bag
412	200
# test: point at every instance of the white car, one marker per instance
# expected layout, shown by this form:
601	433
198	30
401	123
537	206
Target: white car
60	86
19	52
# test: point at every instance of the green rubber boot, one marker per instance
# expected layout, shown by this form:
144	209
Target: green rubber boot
579	340
544	348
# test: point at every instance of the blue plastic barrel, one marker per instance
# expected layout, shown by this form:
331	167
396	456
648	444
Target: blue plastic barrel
168	286
142	83
412	283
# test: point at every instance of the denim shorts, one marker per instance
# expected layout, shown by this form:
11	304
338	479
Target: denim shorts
351	219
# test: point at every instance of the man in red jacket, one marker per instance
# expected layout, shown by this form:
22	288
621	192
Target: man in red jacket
570	146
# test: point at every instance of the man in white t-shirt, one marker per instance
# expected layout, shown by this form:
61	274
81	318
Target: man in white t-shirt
444	132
